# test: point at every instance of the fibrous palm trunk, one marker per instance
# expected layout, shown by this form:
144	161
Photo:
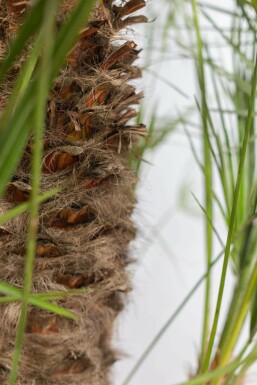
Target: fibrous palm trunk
85	229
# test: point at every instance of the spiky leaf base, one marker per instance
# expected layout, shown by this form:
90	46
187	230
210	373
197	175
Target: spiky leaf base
85	229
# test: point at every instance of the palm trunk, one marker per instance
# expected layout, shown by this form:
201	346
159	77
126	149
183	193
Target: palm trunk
84	231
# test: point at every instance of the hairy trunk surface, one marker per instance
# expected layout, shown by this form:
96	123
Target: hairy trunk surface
85	229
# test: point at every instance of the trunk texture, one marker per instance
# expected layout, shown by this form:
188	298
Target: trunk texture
84	231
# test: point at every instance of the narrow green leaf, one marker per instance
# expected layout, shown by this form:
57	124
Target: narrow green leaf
9	290
207	169
253	323
213	375
51	307
14	294
232	220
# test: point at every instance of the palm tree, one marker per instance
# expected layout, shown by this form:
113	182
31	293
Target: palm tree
84	230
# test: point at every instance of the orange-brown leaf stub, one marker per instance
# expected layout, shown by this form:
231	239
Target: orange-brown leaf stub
118	55
43	326
72	282
68	218
47	250
17	193
130	7
71	366
88	31
77	281
92	183
132	20
58	161
65	93
15	10
97	96
85	46
73	127
16	6
133	98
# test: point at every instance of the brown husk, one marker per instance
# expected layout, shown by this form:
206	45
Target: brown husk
84	231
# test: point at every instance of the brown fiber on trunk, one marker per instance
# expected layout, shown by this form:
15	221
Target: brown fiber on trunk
84	231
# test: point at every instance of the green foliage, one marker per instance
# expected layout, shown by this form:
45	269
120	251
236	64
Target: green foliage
226	107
